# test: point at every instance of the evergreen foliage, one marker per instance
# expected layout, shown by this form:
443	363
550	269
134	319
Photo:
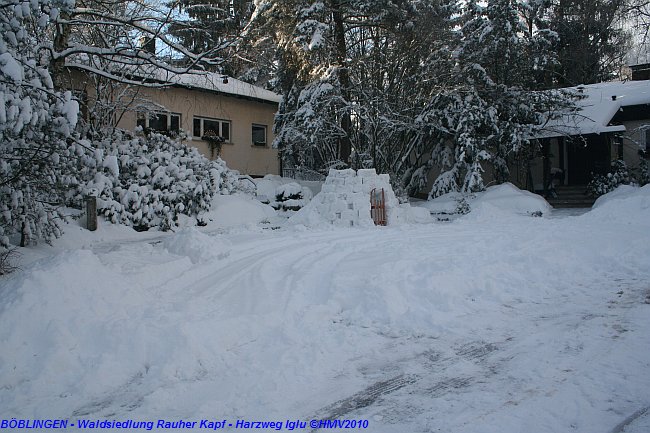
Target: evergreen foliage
44	162
412	86
37	158
150	180
618	175
291	197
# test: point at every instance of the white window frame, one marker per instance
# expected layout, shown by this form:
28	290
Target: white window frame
147	117
266	138
221	123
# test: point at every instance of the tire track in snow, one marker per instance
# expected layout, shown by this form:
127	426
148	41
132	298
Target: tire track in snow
438	381
202	288
630	420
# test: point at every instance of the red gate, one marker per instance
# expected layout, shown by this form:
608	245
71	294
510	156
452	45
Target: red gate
378	206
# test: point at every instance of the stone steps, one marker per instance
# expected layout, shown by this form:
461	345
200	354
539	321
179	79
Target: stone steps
573	196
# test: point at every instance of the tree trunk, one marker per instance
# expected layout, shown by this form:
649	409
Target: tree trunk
345	144
57	66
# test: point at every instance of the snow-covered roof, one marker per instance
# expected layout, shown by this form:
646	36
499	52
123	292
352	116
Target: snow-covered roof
210	81
215	82
600	104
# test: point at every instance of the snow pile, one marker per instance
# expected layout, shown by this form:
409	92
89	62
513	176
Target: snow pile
511	200
622	192
235	210
199	247
414	215
625	204
344	200
444	204
495	201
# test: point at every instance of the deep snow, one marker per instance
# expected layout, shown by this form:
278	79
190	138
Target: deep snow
502	324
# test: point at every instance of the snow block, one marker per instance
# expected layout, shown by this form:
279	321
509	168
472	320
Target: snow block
367	172
348	172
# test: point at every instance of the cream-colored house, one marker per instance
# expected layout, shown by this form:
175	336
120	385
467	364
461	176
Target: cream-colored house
220	115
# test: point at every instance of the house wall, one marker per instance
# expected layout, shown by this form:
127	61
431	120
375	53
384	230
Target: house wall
239	153
631	141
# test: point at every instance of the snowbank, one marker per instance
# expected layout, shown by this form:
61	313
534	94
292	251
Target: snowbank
625	204
510	199
495	202
622	192
445	204
197	246
236	210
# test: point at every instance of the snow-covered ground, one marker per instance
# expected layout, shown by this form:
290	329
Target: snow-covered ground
501	324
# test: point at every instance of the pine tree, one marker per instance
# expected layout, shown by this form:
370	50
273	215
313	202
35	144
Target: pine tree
213	26
592	42
493	109
349	73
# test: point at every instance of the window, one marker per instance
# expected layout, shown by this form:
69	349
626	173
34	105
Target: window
203	126
161	122
644	141
259	135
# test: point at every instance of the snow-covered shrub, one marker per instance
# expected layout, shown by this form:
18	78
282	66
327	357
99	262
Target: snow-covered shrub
37	163
291	197
7	258
148	181
463	207
602	184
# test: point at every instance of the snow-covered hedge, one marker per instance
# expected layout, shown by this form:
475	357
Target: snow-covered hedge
148	181
291	197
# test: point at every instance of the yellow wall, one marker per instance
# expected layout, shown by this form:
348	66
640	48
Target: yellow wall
240	153
631	140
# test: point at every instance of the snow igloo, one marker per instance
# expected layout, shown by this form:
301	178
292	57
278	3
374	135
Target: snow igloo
345	200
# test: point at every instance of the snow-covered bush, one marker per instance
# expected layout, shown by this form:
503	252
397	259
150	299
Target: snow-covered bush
602	184
7	259
463	207
148	181
37	163
291	197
